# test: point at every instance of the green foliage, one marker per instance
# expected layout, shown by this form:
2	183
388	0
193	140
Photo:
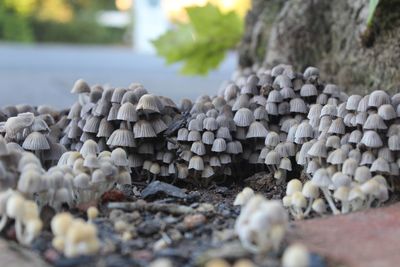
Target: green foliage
82	29
202	43
15	28
17	23
373	4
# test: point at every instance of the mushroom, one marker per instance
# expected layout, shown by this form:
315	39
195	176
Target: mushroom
310	192
298	204
26	216
322	180
342	194
296	255
74	237
244	196
37	143
266	218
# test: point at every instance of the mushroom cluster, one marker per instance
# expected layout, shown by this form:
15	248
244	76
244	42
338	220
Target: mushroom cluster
343	149
345	145
36	131
128	119
278	119
352	158
74	237
86	175
261	225
25	214
78	177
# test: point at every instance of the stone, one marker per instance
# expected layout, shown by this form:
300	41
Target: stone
193	221
157	187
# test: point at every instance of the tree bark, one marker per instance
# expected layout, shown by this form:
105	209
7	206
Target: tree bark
331	35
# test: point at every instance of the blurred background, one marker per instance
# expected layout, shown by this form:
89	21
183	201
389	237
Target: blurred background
45	45
185	48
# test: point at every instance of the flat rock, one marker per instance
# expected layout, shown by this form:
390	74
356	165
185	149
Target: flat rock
158	187
13	255
363	239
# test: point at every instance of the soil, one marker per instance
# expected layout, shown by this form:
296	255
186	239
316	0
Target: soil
189	229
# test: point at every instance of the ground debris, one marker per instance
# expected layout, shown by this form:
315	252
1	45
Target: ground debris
152	207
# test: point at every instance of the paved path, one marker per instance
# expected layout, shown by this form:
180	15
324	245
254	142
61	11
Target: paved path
13	255
363	239
44	74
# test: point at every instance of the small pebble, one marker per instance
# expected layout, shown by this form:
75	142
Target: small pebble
244	263
135	215
115	214
317	261
160	244
206	208
120	261
51	255
162	262
148	228
126	236
217	263
144	255
120	226
175	235
193	221
134	244
221	189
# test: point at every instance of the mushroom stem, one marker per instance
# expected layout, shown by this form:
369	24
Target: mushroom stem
38	155
299	215
309	207
345	206
18	231
330	200
3	221
320	161
356	204
369	202
391	184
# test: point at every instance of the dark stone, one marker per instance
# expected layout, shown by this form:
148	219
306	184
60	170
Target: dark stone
148	228
317	261
158	187
78	261
119	261
221	190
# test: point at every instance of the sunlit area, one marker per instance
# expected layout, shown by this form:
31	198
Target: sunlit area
108	42
176	9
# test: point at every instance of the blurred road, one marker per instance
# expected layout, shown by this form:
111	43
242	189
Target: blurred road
44	74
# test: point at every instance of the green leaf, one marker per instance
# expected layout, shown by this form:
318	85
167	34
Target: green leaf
175	44
201	44
371	11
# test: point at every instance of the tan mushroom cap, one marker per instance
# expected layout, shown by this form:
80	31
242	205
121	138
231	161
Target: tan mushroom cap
80	86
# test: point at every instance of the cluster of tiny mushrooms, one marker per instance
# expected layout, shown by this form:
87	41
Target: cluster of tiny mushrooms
337	153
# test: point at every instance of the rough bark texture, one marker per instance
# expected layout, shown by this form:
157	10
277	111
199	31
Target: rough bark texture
331	35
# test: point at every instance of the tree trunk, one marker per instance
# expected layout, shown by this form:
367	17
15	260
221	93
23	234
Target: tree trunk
331	35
